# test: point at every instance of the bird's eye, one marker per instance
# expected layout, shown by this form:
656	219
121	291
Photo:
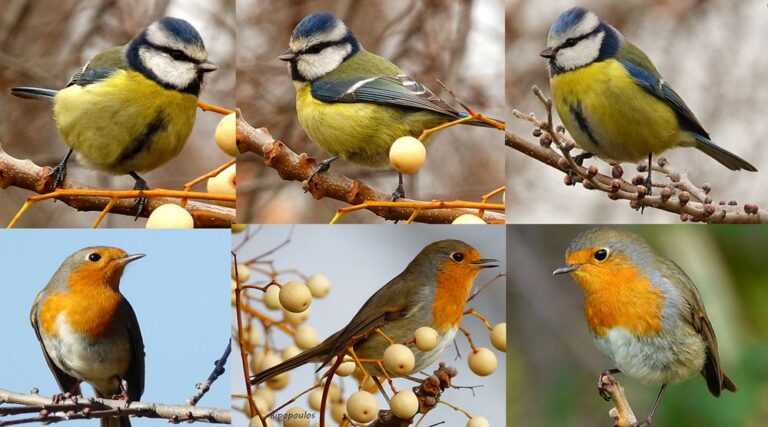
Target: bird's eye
314	49
601	254
178	55
457	256
570	42
94	257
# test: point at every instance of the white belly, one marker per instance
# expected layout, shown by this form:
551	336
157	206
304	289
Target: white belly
654	360
99	365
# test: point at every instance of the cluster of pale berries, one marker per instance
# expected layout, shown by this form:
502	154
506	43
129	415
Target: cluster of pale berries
171	215
294	299
407	154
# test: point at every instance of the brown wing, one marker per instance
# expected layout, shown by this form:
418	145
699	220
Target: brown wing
697	317
134	377
393	301
67	384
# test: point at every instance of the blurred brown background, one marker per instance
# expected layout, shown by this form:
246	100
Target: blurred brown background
710	51
457	42
43	42
553	364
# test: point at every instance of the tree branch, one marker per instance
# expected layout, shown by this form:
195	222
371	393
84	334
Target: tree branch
218	370
294	167
29	176
678	195
80	408
610	389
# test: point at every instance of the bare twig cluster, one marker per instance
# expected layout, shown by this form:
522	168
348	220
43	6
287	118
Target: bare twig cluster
678	194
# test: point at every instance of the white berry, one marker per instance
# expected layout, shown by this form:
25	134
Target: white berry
295	297
468	219
482	362
426	338
319	285
305	337
499	337
362	407
407	154
404	404
399	359
170	216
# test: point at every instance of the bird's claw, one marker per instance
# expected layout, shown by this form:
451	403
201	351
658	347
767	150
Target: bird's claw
321	167
399	193
59	173
605	379
141	202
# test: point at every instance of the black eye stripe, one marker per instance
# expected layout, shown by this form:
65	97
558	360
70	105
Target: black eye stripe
572	41
316	48
174	53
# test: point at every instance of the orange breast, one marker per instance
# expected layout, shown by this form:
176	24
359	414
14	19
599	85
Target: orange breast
90	308
620	295
451	292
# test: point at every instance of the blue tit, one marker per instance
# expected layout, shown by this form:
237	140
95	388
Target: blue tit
131	108
353	103
612	99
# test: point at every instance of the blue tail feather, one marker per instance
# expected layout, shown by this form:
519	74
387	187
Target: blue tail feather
34	93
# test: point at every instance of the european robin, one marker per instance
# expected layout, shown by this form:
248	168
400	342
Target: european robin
643	311
88	330
431	291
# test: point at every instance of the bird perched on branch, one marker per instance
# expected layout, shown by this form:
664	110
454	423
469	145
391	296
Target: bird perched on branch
431	291
612	99
87	329
353	103
131	108
644	312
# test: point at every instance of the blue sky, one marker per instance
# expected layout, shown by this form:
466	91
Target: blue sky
179	292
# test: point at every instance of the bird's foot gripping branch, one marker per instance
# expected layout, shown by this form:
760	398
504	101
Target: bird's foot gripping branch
678	193
160	208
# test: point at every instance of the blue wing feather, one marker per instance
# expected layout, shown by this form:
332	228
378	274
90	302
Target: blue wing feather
654	84
400	91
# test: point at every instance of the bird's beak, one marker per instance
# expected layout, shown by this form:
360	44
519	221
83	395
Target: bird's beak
207	67
547	53
287	56
486	263
130	258
565	269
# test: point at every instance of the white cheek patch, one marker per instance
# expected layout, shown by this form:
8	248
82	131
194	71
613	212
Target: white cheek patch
178	74
584	53
316	65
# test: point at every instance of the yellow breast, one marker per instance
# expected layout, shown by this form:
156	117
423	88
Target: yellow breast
124	123
609	115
